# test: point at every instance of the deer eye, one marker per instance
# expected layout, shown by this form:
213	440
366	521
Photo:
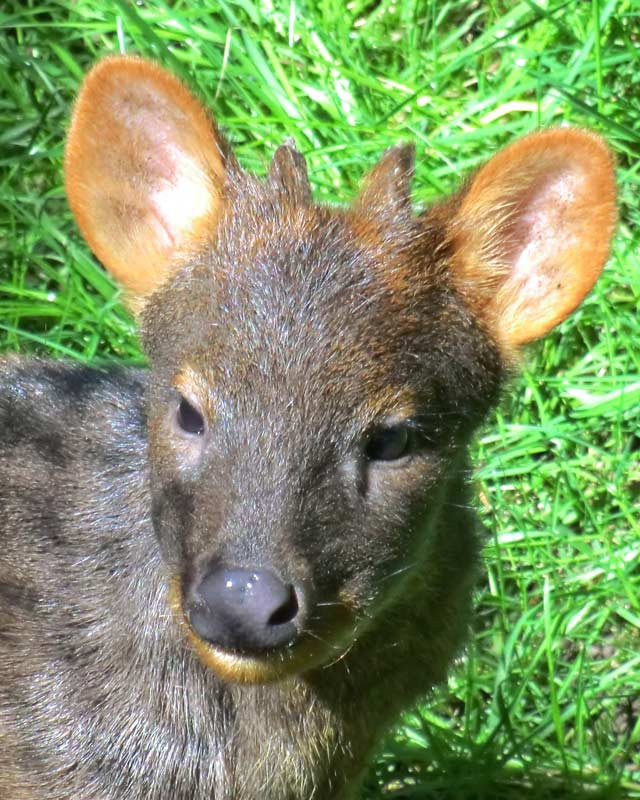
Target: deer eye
391	443
189	419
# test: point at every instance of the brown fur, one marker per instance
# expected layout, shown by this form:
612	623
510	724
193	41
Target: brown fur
335	363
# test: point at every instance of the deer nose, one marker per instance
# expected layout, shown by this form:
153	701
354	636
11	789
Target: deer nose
246	610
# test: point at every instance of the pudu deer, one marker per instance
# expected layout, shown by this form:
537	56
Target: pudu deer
223	578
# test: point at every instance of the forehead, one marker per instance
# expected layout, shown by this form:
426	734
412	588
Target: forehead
293	287
301	304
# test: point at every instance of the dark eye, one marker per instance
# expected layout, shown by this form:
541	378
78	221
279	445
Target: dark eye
189	419
390	444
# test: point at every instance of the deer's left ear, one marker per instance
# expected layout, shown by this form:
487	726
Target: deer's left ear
532	231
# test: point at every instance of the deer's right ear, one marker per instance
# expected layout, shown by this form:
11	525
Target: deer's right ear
144	170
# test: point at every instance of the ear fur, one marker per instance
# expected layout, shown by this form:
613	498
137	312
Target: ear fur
532	230
144	169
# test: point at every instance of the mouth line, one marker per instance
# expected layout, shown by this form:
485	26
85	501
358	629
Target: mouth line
307	653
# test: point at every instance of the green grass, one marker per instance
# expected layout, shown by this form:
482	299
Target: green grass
545	702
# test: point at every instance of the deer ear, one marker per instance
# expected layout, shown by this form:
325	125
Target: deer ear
532	231
144	169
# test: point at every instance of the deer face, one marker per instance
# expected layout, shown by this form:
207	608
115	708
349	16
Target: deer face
316	373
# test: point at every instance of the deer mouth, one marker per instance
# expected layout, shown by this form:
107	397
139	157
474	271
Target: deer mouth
322	642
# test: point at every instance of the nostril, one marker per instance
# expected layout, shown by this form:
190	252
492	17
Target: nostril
288	611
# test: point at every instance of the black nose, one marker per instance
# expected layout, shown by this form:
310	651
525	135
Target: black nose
250	611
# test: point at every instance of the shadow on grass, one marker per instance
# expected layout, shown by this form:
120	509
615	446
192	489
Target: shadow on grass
399	778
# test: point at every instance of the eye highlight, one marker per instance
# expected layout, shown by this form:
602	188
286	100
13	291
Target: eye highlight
189	419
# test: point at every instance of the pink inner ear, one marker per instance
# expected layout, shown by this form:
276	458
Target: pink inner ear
180	196
547	226
166	163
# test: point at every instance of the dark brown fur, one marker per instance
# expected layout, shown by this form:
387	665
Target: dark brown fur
301	330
